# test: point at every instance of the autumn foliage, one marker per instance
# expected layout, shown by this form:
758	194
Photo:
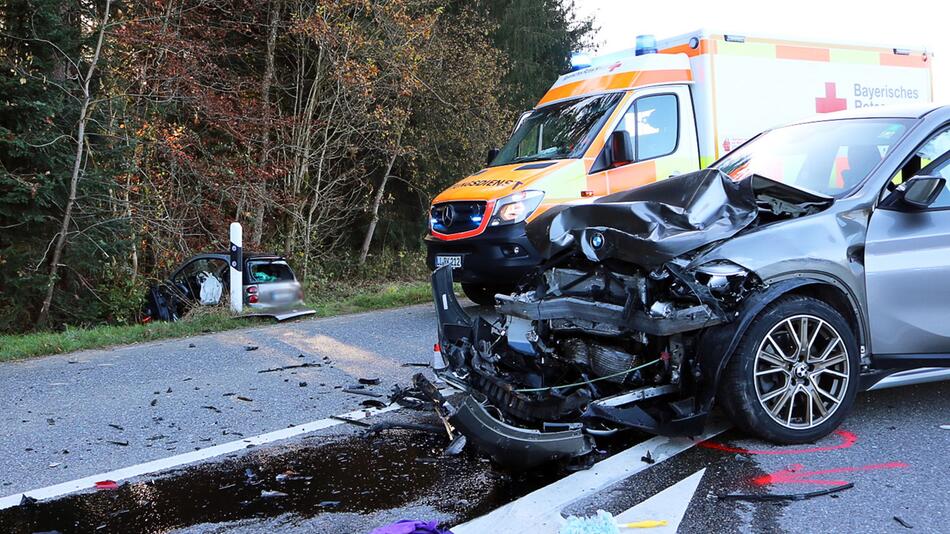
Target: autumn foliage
325	127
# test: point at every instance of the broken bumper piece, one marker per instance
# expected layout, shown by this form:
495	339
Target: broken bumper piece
514	446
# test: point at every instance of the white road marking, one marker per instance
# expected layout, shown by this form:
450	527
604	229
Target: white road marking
539	512
669	504
162	464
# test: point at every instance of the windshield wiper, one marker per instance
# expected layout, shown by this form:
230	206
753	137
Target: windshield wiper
537	157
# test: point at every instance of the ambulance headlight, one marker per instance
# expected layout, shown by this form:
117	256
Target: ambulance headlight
516	207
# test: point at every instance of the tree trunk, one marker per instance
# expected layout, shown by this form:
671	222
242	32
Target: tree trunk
377	201
62	237
257	231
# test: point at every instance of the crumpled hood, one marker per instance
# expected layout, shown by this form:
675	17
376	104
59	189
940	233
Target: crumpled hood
653	224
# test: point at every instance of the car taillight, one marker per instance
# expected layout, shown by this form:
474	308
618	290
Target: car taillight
251	290
252	299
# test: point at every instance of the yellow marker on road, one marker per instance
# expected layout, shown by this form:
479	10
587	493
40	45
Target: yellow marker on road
650	523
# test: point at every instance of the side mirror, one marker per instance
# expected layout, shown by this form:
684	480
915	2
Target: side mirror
492	154
916	194
621	148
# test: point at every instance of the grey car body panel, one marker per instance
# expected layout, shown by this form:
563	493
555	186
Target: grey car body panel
831	244
908	261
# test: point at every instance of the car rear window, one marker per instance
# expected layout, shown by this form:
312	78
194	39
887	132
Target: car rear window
262	272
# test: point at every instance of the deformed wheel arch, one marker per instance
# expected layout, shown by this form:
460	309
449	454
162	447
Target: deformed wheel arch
717	344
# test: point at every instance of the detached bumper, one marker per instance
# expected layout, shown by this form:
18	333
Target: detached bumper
500	255
514	446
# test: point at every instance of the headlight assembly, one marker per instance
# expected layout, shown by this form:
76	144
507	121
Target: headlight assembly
516	207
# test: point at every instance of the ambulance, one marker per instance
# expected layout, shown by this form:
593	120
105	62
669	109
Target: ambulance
626	119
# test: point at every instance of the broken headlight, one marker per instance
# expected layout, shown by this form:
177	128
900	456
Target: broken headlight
516	207
720	276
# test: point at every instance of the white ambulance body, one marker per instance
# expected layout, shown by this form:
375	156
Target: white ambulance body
744	84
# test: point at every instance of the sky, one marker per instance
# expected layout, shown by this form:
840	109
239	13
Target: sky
895	24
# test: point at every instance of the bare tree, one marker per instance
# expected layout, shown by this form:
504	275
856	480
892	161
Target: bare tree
63	235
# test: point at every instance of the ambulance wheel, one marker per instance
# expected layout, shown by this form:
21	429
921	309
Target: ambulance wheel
482	294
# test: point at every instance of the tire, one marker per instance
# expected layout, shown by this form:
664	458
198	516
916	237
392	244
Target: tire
772	388
481	294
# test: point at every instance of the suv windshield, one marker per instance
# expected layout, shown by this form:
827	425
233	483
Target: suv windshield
830	158
557	131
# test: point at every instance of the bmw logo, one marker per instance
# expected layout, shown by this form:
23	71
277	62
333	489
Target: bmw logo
597	240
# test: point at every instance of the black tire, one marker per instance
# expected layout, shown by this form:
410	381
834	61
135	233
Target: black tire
739	392
482	294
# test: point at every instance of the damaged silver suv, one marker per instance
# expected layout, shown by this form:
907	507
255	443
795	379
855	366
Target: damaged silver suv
808	264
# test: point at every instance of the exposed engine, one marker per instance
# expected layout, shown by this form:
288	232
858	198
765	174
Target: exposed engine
609	335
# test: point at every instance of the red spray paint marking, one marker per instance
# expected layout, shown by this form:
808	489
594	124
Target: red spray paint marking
848	439
794	475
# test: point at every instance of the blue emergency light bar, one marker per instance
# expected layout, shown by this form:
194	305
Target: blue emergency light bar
646	44
580	61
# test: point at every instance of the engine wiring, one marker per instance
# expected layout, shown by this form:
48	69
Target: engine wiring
590	381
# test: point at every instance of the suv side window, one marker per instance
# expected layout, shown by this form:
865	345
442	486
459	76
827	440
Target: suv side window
653	123
933	151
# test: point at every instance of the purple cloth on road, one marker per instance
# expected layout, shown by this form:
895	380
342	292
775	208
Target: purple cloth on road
409	526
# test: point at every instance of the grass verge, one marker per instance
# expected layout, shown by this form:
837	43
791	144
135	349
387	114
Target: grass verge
336	300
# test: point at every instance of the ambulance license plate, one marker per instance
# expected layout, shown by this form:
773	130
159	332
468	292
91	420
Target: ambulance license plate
454	261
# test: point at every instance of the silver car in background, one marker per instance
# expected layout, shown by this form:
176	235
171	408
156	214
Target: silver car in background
808	264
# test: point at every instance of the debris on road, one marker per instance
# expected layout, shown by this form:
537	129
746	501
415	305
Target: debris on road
243	398
355	391
902	523
115	426
350	421
291	475
390	425
119	443
369	381
212	408
154	402
272	494
55	464
456	446
410	526
373	403
284	368
106	485
945	427
770	497
249	348
304	384
648	458
26	500
415	364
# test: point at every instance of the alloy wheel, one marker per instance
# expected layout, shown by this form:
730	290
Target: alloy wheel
801	372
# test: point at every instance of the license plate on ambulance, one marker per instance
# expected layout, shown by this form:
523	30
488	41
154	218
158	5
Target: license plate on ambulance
454	261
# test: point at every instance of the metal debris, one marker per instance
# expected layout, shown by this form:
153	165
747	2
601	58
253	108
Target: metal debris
769	497
284	368
902	523
355	391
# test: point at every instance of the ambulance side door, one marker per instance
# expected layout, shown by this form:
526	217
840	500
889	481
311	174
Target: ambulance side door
662	126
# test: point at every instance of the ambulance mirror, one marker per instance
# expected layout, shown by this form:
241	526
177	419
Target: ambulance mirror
492	154
621	147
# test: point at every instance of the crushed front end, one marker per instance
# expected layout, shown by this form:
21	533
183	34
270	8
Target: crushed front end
609	334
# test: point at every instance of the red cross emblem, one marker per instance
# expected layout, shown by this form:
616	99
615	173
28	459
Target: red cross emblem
830	102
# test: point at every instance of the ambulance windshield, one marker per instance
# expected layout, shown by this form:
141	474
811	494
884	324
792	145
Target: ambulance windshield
558	131
829	158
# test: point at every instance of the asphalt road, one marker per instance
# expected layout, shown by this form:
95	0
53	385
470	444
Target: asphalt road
76	415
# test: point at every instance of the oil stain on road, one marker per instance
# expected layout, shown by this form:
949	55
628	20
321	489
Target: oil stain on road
353	474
